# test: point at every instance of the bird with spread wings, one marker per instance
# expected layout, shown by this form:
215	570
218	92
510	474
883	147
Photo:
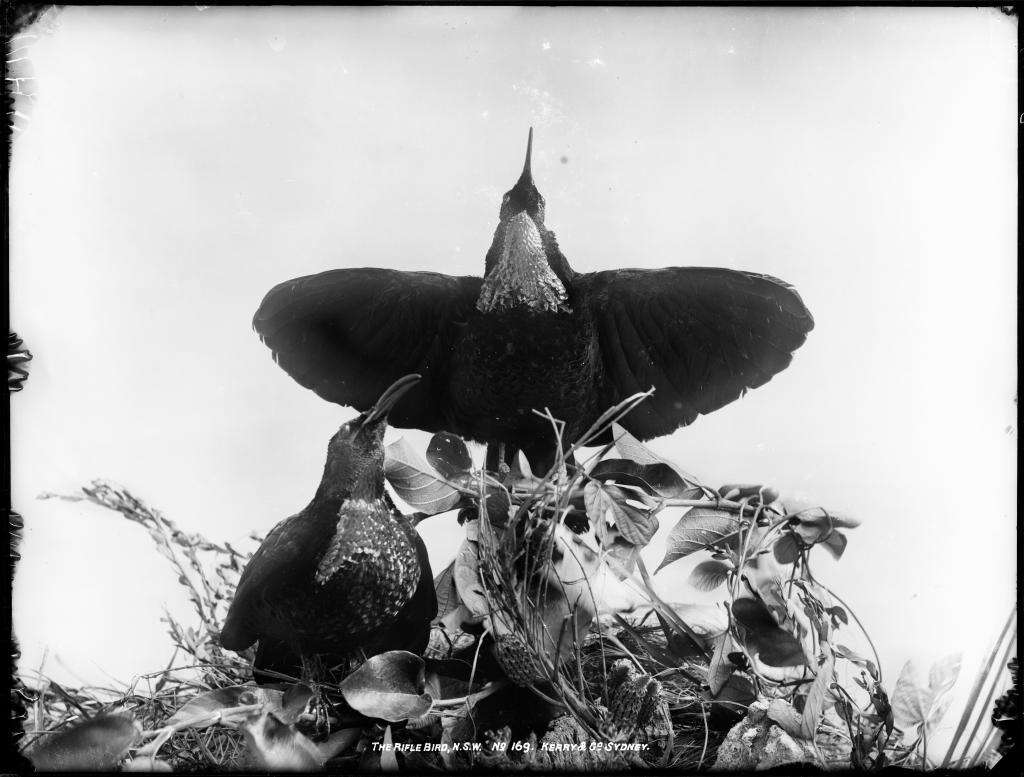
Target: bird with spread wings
534	334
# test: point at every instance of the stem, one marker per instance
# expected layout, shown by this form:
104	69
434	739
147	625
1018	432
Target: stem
704	750
864	631
547	698
473	698
667	612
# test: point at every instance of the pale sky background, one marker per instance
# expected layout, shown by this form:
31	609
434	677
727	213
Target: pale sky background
180	162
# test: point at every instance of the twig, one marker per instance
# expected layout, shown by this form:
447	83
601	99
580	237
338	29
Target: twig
492	687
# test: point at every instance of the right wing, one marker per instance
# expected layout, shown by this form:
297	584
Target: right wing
701	336
349	334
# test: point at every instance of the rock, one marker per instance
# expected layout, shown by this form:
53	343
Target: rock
758	743
739	751
780	748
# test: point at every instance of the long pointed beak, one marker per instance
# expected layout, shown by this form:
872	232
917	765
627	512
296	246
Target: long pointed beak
527	175
389	398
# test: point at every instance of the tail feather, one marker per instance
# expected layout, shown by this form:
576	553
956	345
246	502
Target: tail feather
274	659
234	635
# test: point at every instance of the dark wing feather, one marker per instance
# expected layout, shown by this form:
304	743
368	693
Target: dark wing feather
284	555
701	336
349	334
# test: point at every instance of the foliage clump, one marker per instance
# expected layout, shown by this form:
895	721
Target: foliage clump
532	663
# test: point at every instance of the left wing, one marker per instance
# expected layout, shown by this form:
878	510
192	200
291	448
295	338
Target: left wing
701	336
349	334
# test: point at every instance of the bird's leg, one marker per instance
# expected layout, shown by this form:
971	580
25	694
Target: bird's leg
542	458
501	459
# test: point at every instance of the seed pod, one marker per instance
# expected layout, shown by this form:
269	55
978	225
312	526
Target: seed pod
622	671
624	710
564	730
650	704
516	659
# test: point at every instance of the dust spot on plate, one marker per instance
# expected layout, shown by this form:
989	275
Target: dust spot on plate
277	43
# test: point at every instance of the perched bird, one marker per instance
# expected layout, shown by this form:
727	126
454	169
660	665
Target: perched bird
533	333
349	573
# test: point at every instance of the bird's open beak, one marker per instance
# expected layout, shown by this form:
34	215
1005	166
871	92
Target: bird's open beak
389	398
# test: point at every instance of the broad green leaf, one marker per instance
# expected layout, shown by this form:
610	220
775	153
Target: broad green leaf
389	686
844	652
838	614
658	479
708	575
606	506
388	759
338	742
622	558
814	706
448	454
213	707
416	482
637	526
937	713
944	673
820	518
910	700
835	544
466	574
721	668
96	744
631	448
699	528
817	525
600	509
273	745
786	548
735	695
446	592
497	504
772	644
779	649
737	491
786	715
294	701
941	679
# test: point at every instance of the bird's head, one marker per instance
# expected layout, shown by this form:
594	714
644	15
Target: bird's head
355	454
524	266
524	197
